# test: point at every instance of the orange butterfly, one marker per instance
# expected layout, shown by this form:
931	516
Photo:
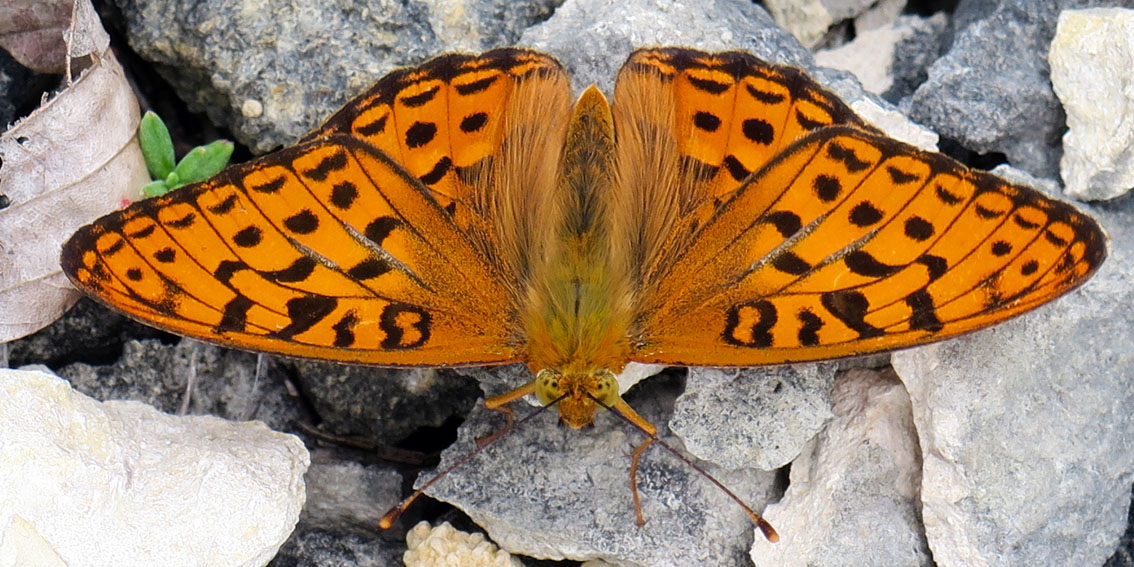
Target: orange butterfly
723	212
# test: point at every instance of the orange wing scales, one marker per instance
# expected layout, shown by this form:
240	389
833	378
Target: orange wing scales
754	218
323	251
733	112
443	117
850	243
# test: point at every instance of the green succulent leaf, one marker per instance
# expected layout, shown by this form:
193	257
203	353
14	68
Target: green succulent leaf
154	189
203	162
157	146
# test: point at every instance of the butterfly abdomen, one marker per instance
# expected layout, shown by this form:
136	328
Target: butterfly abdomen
579	309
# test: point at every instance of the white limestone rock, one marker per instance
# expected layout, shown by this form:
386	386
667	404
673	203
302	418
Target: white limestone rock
852	498
444	546
119	483
1090	69
1025	428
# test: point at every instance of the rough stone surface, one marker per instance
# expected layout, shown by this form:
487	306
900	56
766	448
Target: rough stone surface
991	91
1025	428
550	492
382	403
118	483
753	418
1090	70
348	496
315	547
289	56
853	493
223	382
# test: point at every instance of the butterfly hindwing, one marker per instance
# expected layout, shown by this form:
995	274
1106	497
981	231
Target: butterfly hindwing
848	243
326	250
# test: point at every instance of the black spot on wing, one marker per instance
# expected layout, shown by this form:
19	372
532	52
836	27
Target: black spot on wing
827	187
787	223
328	165
476	86
924	313
850	307
248	237
225	206
706	121
406	326
420	134
369	268
1001	248
267	188
344	330
936	265
438	172
749	324
304	313
372	128
735	168
166	255
380	228
303	222
918	228
296	272
709	86
419	99
865	264
809	331
226	269
235	315
865	214
183	222
847	157
759	131
473	122
788	262
764	96
343	194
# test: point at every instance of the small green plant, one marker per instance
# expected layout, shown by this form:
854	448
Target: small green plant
201	163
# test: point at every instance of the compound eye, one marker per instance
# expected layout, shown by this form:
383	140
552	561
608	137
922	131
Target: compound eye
607	389
547	386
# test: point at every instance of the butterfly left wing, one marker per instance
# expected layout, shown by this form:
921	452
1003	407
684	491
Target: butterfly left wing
848	243
325	250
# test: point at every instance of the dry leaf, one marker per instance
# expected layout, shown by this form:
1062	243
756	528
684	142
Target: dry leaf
34	32
72	160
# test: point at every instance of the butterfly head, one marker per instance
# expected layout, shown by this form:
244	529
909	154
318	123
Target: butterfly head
577	392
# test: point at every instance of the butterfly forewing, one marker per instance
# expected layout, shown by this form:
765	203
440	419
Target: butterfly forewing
326	250
850	243
448	115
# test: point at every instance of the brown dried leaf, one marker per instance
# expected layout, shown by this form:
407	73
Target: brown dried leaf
72	160
35	32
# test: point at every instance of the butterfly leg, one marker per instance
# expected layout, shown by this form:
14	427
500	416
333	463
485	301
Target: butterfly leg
500	404
651	431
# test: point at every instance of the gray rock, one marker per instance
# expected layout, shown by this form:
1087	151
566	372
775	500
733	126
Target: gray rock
991	90
273	72
753	418
224	381
1025	427
346	496
550	492
385	404
314	547
853	493
612	29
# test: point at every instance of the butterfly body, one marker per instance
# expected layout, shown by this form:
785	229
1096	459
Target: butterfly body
721	211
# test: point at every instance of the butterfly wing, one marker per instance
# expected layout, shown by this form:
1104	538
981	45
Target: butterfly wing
848	242
692	126
358	244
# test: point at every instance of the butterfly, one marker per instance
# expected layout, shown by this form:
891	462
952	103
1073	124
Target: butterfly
722	211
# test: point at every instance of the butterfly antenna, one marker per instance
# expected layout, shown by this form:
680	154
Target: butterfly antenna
392	516
765	528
